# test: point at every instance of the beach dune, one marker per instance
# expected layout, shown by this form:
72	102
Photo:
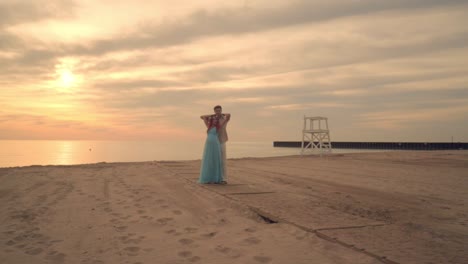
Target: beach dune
388	207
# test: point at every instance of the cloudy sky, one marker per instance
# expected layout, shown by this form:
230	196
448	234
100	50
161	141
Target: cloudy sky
147	69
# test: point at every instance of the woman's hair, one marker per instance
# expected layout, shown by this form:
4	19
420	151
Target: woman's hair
216	107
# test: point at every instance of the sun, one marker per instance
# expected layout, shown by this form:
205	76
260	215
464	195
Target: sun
67	78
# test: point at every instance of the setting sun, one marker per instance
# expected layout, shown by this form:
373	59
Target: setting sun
67	78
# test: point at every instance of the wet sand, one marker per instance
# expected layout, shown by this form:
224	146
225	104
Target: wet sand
389	207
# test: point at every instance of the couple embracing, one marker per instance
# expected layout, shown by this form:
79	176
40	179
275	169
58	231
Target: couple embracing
213	167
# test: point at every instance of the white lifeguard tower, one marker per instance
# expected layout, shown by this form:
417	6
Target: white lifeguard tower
315	135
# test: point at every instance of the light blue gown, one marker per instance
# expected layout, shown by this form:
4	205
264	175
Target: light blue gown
212	163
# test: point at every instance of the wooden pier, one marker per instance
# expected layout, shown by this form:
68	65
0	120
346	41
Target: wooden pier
383	145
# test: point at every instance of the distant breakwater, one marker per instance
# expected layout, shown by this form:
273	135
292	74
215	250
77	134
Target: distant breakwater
383	145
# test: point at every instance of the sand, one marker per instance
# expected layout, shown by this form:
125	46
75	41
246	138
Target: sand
389	207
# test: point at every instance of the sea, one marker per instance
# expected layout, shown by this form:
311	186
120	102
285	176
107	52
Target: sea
15	153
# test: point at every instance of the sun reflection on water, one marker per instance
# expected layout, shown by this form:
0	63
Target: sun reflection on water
64	152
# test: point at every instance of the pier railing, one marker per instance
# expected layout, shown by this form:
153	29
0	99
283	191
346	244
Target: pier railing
383	145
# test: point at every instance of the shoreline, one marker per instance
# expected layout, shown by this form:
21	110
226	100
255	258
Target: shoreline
16	153
401	206
364	151
358	151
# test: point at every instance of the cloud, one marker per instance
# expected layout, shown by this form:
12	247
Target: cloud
126	84
225	21
361	43
398	119
348	60
14	12
250	100
203	23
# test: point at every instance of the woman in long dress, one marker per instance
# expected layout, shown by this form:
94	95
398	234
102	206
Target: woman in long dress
211	170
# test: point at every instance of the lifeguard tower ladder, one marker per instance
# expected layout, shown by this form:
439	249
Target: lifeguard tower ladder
315	135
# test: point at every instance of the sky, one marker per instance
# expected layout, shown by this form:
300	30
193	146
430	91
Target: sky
379	70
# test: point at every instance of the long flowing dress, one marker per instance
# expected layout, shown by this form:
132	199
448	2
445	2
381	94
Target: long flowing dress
211	170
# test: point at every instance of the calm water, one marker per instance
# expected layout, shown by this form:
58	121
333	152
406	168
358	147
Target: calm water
55	152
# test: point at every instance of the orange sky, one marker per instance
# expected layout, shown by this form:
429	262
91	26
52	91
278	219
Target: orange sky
379	70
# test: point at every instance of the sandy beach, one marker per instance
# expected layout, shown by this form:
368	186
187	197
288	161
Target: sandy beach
389	207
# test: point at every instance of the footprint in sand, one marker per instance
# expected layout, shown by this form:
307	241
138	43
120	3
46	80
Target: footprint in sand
56	257
262	259
188	255
126	217
251	241
91	261
37	236
222	221
173	232
121	228
177	212
191	229
185	254
223	249
20	237
164	220
194	259
186	241
209	235
127	239
133	241
33	251
55	241
132	251
232	253
250	230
